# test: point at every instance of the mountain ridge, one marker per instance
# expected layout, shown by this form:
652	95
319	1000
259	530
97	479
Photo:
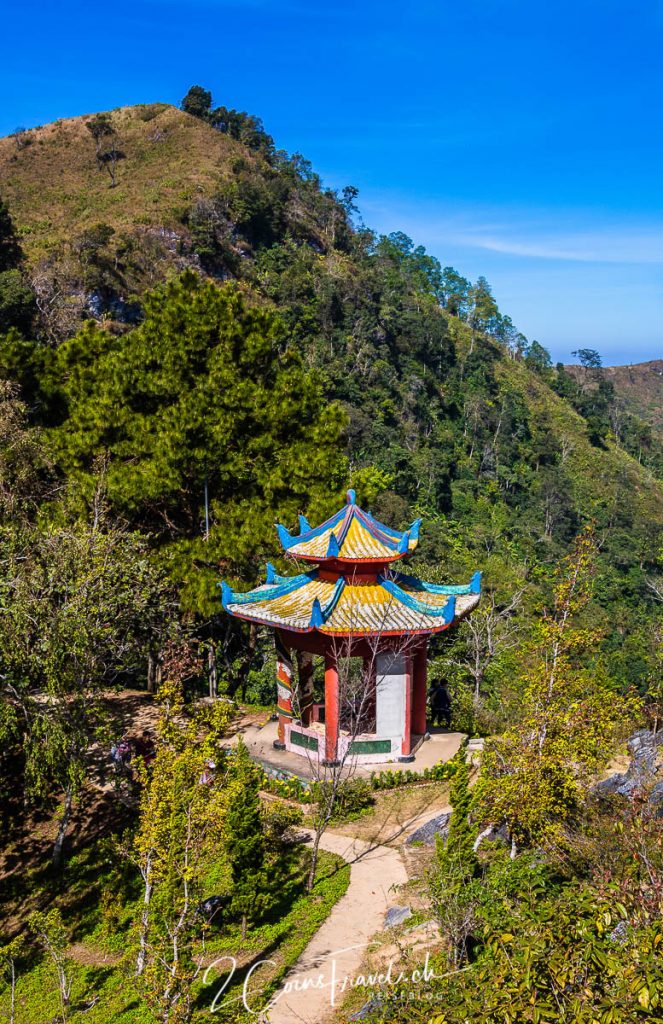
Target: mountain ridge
640	385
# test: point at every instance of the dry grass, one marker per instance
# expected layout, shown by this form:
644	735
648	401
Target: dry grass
396	813
639	385
55	190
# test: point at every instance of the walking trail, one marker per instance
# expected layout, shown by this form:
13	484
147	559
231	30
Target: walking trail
312	990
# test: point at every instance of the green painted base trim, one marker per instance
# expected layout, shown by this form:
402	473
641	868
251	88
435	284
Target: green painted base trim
299	739
370	747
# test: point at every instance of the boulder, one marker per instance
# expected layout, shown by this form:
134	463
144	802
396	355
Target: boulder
656	799
367	1009
396	916
643	747
424	932
438	826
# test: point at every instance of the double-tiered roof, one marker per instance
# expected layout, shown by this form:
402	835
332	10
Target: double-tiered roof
352	590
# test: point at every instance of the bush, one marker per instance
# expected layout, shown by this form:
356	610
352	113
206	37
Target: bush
394	779
17	301
463	711
354	797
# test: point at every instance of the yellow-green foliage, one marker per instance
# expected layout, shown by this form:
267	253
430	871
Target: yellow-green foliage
181	830
534	775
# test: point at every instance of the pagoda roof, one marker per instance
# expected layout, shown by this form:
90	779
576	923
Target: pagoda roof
351	535
388	603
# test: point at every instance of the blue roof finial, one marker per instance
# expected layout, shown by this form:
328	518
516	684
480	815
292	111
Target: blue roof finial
304	525
449	611
351	497
271	573
226	594
333	550
316	615
404	543
284	536
475	583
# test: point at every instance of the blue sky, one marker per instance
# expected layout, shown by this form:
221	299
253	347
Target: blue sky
522	141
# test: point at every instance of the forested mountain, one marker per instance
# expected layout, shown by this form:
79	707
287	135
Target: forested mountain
376	364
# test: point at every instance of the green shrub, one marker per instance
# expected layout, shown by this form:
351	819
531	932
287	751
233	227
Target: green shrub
354	797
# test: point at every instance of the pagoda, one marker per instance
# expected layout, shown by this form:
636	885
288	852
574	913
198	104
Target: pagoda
351	603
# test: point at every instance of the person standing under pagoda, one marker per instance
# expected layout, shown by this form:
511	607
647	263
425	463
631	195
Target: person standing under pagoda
440	704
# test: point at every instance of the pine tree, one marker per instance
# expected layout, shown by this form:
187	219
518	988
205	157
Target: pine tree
453	887
207	395
456	858
181	829
16	296
245	844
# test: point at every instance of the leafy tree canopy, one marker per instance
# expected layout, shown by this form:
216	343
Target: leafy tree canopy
207	394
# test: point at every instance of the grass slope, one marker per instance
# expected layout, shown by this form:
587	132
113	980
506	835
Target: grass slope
598	473
99	899
56	191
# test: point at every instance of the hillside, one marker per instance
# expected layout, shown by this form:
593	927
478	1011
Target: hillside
638	385
186	195
52	182
444	410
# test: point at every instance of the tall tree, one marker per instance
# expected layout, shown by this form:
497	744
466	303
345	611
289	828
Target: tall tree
207	397
81	605
569	713
16	295
451	880
197	102
180	831
245	844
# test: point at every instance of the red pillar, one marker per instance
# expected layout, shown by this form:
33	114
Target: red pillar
406	744
331	710
420	668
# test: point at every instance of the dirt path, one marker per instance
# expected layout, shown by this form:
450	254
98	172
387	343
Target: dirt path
312	991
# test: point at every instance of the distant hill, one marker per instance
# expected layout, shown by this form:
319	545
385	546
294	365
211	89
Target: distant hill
639	385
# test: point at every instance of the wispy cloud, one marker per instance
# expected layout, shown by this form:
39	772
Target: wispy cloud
609	246
563	236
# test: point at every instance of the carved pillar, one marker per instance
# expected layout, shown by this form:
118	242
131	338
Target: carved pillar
284	688
305	686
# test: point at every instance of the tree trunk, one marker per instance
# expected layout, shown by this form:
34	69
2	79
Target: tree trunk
314	861
154	671
65	991
248	658
144	919
211	670
62	828
13	995
151	672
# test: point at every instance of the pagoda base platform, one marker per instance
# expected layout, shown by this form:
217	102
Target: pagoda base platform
441	746
365	748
